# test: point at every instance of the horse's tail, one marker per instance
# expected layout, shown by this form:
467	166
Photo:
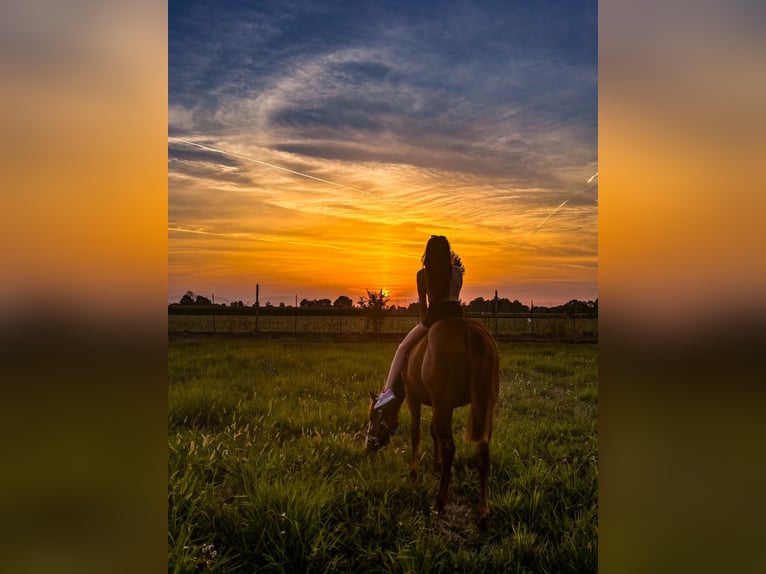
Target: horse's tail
483	384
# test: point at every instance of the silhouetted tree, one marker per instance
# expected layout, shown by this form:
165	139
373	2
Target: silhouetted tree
305	303
343	301
480	305
374	306
188	298
202	300
517	307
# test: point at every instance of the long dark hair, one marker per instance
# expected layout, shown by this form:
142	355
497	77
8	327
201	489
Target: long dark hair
437	261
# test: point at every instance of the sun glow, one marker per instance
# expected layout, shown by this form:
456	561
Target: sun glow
293	236
326	172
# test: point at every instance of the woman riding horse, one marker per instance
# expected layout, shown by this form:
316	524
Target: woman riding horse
456	364
439	281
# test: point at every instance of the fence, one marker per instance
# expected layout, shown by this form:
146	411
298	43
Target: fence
549	326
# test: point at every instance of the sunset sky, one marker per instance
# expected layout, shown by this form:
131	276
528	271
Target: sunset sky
313	147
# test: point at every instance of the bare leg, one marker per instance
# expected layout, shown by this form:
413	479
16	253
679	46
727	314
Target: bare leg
416	333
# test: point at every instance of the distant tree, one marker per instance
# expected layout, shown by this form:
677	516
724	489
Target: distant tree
518	307
188	298
343	301
479	305
313	303
202	300
374	306
576	306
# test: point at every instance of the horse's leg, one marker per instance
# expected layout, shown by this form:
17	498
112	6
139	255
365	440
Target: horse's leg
437	451
414	437
482	460
442	417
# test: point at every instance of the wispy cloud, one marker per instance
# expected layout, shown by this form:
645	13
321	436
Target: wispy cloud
325	130
263	163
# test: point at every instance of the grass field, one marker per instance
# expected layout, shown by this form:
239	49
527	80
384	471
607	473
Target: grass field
267	470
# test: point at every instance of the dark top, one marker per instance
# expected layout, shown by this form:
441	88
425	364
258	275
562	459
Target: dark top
435	310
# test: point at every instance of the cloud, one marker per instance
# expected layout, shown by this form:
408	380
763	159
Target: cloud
382	126
487	114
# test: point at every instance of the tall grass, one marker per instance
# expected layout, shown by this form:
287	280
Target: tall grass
267	470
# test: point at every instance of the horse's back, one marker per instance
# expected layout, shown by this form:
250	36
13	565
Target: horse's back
466	338
456	354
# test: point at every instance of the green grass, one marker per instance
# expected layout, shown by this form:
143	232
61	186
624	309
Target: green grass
267	470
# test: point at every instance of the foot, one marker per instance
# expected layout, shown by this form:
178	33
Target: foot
385	397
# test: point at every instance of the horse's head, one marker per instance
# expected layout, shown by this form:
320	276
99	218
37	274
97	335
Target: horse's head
383	423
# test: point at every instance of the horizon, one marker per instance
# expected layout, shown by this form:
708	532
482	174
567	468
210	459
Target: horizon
323	145
289	300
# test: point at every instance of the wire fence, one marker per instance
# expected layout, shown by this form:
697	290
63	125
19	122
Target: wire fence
547	326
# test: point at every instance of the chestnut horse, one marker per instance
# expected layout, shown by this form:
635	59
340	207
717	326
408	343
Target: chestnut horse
455	365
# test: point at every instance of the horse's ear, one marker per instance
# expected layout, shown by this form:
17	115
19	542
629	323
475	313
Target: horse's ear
373	396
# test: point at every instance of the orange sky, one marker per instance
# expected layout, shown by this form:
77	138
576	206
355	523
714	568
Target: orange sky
313	149
299	236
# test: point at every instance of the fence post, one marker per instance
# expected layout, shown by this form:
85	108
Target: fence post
213	312
295	325
495	311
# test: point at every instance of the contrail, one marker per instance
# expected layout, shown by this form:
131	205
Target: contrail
547	217
563	203
265	238
267	164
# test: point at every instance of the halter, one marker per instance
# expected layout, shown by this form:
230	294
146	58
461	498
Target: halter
373	439
383	422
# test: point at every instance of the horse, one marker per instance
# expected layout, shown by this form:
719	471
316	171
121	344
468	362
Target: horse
454	365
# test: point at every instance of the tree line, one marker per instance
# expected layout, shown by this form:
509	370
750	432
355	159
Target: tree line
376	303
